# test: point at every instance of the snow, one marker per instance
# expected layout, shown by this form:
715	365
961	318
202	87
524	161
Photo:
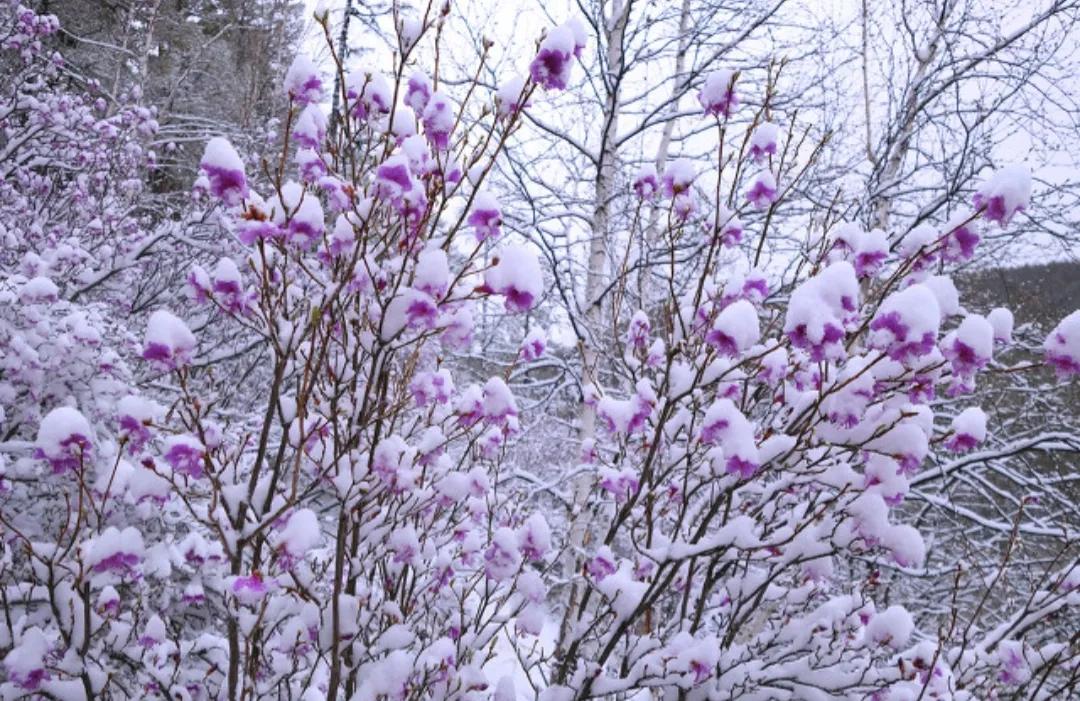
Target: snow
517	276
370	91
302	82
1001	319
1062	346
919	237
115	550
735	329
678	176
646	181
762	192
948	298
726	425
906	544
871	249
60	431
418	92
225	171
25	662
1005	193
763	141
502	558
968	429
818	310
892	627
971	346
551	67
432	272
533	345
509	96
906	324
438	119
310	128
168	341
485	217
623	591
301	533
717	95
38	290
498	400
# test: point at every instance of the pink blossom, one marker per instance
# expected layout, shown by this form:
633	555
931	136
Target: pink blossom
717	95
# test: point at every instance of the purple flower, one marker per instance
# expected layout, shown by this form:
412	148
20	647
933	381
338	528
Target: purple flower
717	95
646	184
485	217
225	171
551	67
601	565
959	244
119	562
533	346
438	121
186	455
418	92
762	192
736	465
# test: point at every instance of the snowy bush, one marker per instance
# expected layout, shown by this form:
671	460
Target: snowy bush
354	529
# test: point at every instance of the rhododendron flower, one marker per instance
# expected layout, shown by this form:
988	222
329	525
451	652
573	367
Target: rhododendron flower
763	141
169	343
646	183
534	541
186	455
637	331
906	324
485	217
818	310
1007	192
225	171
502	559
1062	346
683	206
960	240
154	632
510	97
369	92
302	82
428	387
971	346
968	430
602	564
717	95
115	551
516	275
25	662
551	67
249	589
64	439
39	290
678	177
1002	320
735	329
762	192
310	129
871	249
418	92
621	484
533	346
438	119
134	416
310	166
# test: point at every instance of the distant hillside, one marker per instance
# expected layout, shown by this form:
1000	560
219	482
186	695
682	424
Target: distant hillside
1037	294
